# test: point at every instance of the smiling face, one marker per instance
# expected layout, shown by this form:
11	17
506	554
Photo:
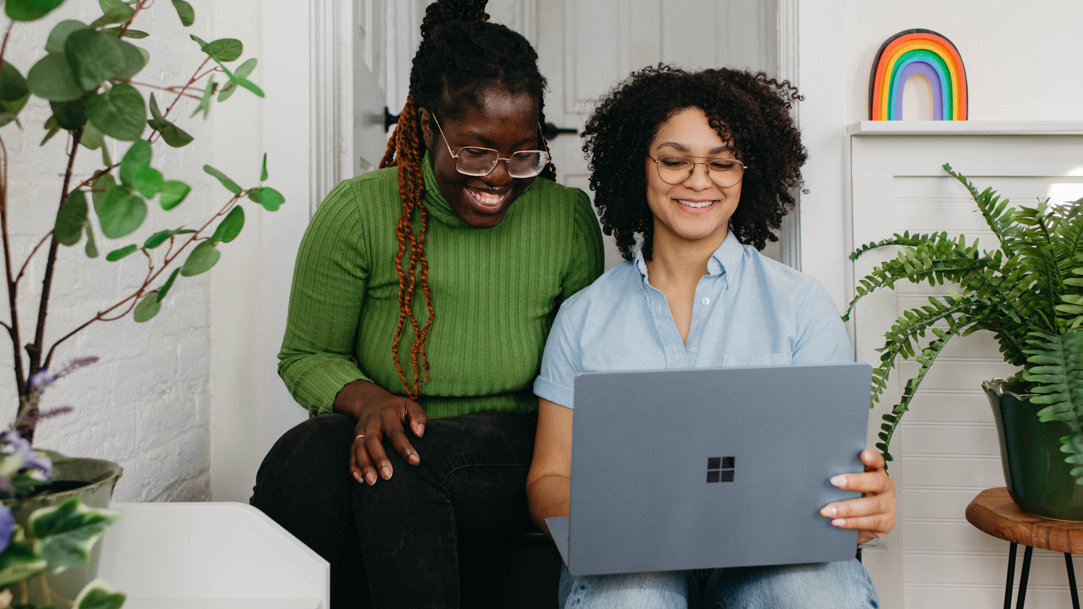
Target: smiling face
505	122
696	210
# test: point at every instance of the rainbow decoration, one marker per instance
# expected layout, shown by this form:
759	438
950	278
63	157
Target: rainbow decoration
913	52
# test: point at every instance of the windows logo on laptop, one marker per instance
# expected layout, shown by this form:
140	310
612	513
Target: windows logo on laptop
720	469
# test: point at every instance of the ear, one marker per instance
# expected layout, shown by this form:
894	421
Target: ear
424	117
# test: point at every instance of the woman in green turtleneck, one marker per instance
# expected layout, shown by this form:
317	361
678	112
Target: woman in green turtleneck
421	300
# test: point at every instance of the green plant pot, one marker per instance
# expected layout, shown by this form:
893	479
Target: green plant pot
92	480
1034	469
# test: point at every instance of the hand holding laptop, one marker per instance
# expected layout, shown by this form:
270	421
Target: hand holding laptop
872	514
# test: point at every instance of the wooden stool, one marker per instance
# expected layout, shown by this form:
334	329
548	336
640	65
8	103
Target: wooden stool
994	512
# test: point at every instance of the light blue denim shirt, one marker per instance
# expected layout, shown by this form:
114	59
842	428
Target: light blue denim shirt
748	310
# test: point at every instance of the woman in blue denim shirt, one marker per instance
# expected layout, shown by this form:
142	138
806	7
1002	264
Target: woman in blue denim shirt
703	166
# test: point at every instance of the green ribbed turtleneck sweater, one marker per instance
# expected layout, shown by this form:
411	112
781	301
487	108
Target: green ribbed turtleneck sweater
495	292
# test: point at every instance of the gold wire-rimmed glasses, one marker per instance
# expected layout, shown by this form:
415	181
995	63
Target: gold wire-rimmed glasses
477	161
676	169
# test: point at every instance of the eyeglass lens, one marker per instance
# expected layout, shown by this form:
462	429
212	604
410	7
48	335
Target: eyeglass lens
475	161
723	172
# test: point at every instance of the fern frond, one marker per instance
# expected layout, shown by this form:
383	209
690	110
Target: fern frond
892	419
1055	374
998	213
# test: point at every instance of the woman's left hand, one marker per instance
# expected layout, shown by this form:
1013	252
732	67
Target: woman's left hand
873	514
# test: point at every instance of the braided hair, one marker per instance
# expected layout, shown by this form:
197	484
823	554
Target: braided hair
751	110
461	56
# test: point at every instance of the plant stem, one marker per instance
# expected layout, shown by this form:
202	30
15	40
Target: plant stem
25	419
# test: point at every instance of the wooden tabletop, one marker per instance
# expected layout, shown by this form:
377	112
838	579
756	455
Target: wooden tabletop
994	512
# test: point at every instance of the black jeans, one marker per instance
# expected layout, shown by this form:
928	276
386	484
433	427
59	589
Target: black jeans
410	541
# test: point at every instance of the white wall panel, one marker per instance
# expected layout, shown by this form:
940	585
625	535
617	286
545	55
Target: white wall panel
946	449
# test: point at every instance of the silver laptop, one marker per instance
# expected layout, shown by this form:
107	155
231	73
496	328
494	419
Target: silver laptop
709	468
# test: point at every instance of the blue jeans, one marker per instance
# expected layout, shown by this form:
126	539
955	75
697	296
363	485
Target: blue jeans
833	585
409	541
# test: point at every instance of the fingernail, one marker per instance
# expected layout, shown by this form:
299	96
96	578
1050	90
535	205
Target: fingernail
357	476
371	478
829	511
420	429
385	471
838	522
839	481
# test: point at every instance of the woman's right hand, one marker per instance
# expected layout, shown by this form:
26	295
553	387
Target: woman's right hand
379	413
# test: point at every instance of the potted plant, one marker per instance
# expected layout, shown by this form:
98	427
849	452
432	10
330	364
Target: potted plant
1029	293
116	128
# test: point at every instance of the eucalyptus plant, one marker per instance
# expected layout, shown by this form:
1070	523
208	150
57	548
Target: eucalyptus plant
1028	292
89	76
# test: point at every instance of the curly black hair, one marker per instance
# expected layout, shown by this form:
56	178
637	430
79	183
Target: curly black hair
750	110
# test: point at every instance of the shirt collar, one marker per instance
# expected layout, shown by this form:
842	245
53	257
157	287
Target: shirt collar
726	259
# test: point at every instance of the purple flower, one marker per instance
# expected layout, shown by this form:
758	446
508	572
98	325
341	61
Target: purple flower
7	526
17	456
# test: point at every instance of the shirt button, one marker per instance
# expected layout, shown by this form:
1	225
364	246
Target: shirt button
694	348
706	300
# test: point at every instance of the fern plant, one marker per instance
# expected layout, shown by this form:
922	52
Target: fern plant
1028	292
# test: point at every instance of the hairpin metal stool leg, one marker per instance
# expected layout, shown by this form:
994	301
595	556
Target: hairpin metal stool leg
1071	580
1011	577
1024	575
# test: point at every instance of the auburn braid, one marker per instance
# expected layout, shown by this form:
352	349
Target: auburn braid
404	151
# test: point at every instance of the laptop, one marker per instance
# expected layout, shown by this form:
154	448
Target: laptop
710	468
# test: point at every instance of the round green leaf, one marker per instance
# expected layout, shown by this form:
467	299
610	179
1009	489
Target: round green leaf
147	308
162	291
94	57
117	31
59	35
12	83
224	49
135	59
51	79
224	179
185	12
91	247
119	112
148	181
70	115
121	213
268	197
137	157
104	184
92	139
29	10
230	227
70	219
114	11
203	257
119	253
175	136
173	192
157	239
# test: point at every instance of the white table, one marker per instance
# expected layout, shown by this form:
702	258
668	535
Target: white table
213	555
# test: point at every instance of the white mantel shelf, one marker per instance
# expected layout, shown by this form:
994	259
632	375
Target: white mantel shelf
966	128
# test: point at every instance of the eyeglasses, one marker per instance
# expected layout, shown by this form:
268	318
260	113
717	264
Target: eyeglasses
477	161
676	169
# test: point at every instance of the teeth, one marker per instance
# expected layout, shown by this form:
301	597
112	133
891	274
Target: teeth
487	198
696	204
